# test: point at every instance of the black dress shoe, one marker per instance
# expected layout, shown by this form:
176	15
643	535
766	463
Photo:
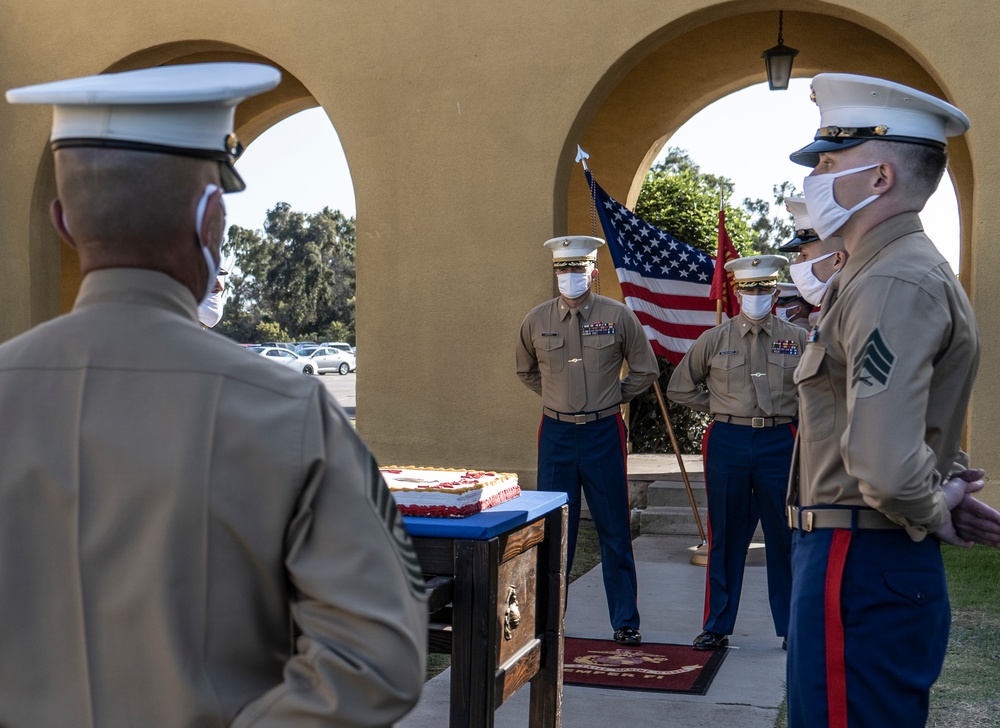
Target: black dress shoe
628	636
710	641
784	644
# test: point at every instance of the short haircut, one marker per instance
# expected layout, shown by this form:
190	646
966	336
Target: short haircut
124	198
921	166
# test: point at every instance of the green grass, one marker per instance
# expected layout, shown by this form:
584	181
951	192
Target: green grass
588	553
973	577
967	694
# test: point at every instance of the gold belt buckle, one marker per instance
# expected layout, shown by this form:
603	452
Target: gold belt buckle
757	422
795	519
581	419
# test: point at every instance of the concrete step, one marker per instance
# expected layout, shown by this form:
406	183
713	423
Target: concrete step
677	521
666	490
670	521
665	493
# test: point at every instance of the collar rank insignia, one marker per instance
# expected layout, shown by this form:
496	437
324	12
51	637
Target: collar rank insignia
598	327
873	366
785	346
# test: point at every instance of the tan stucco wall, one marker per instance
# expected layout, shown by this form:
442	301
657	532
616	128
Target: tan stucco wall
460	122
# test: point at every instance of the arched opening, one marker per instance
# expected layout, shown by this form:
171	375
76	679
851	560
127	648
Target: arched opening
253	117
755	169
300	162
687	66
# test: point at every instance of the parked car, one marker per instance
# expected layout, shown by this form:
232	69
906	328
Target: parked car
328	359
342	345
287	358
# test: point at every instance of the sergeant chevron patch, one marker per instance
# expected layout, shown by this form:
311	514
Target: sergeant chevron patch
873	366
385	505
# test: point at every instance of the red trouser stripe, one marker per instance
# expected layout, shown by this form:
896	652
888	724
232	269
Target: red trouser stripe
623	439
836	675
708	547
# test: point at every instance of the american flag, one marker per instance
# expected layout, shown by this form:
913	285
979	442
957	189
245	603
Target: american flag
664	281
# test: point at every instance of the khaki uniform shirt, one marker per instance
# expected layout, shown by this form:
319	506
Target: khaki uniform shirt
610	335
884	388
191	535
720	358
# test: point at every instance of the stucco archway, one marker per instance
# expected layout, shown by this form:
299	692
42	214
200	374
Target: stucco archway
626	125
253	117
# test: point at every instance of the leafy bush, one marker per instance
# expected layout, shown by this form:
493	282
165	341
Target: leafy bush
647	430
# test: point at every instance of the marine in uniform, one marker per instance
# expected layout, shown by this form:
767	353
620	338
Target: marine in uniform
211	308
791	306
191	536
570	351
816	260
746	366
884	387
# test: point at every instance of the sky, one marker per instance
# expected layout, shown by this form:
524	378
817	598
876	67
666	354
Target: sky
746	136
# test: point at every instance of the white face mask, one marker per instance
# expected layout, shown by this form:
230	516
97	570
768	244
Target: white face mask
213	266
210	310
825	212
756	307
811	287
573	285
783	313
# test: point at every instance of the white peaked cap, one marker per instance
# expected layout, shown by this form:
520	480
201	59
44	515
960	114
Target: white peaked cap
186	110
788	290
756	270
573	250
804	232
855	109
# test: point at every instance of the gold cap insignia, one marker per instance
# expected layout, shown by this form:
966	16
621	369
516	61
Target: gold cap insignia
881	130
233	144
754	263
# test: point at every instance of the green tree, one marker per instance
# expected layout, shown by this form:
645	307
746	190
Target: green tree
298	274
679	198
770	230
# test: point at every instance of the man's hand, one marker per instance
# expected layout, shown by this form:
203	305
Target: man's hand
972	521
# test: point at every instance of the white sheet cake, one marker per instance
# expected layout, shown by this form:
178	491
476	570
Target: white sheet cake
447	492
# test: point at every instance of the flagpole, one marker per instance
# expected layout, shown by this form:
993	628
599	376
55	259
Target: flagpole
718	303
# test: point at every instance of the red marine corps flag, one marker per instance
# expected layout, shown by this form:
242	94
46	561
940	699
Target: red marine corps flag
722	280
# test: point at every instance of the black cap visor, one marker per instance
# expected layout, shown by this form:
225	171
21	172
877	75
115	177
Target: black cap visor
230	178
808	156
793	245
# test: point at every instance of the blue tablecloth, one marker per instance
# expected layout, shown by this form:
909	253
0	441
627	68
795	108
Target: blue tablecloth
527	507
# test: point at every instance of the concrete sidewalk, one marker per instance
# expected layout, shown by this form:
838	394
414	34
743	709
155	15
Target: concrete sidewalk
746	691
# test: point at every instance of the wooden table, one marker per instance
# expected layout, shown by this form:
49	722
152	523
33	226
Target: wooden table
497	593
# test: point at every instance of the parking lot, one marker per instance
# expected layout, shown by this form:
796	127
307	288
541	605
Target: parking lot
342	389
